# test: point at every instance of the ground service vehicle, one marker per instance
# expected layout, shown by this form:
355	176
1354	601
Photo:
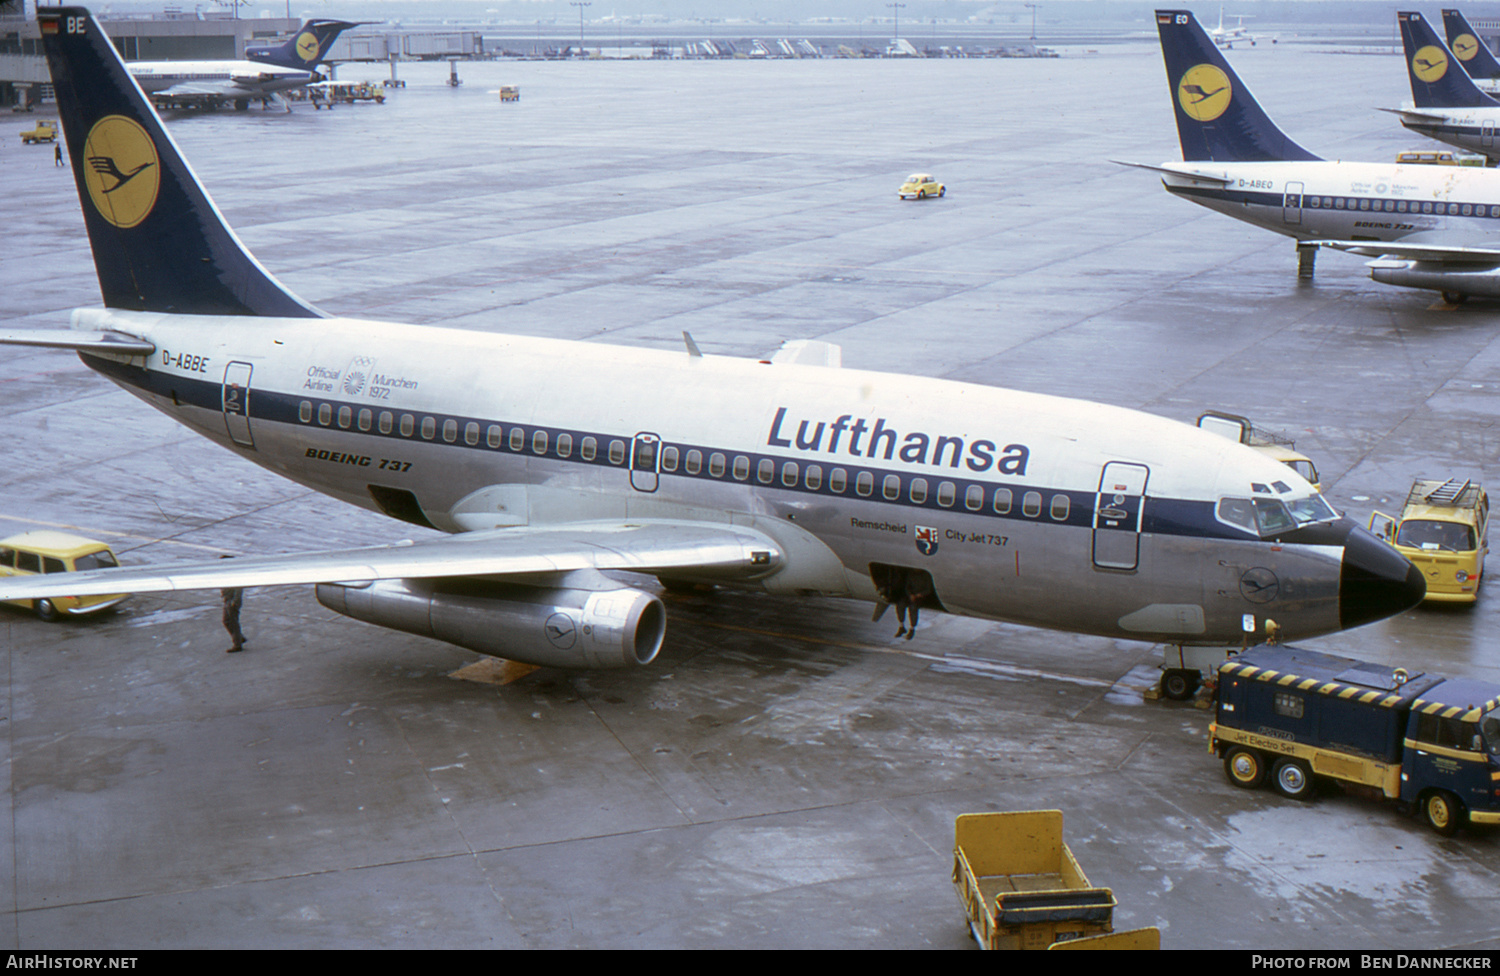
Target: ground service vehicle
510	93
920	186
44	132
1277	446
1292	716
1439	157
1019	884
1444	531
57	552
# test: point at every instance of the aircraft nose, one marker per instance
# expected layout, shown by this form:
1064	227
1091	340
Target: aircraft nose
1376	580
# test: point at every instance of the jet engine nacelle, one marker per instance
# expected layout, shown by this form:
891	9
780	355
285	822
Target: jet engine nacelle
1482	281
559	627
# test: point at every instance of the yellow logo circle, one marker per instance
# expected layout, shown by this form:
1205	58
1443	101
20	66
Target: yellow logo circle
1204	92
1465	46
307	46
122	170
1429	63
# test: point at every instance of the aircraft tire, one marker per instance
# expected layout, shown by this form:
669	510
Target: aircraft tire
45	610
1245	768
1443	812
1292	779
1179	684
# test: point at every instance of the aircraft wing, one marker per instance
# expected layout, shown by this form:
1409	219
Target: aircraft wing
642	546
201	89
77	340
1185	174
1486	254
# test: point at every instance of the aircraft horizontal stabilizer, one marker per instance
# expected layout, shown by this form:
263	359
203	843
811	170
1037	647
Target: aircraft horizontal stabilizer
641	546
1412	251
1182	174
83	341
1414	114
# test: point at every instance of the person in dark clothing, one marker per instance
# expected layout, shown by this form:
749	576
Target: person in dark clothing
234	599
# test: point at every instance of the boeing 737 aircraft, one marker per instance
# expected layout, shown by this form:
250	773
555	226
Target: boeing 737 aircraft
554	462
271	71
1472	53
1446	104
1431	226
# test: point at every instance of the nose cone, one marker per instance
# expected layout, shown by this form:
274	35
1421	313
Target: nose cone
1376	581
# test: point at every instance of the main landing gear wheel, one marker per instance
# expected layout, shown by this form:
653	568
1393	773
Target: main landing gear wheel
1180	684
1292	779
1443	812
1245	767
1455	297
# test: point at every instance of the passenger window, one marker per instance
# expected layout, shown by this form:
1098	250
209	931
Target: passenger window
838	481
616	452
813	479
716	465
325	414
741	468
539	442
669	455
947	493
517	439
1031	504
494	437
450	430
694	461
386	421
974	498
864	483
366	418
1060	507
304	411
471	433
1002	501
765	471
407	424
587	447
918	491
565	447
346	417
429	427
891	488
789	474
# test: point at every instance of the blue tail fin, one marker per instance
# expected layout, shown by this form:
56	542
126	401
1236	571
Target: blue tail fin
1217	117
160	244
1436	79
1464	42
306	49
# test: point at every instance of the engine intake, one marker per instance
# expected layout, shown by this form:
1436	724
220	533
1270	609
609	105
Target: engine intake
560	627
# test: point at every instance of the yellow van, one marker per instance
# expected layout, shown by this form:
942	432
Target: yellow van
58	552
1443	529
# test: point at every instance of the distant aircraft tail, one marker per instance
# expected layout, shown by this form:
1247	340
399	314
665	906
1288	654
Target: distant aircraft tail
160	244
1217	118
1436	79
306	49
1464	42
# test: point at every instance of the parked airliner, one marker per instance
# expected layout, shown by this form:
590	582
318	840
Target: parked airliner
1432	226
269	71
1446	103
1477	60
552	463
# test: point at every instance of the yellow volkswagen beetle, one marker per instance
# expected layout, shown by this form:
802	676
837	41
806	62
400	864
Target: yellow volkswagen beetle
58	552
920	186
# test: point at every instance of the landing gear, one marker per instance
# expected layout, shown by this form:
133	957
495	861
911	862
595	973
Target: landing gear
1307	254
1455	297
1180	684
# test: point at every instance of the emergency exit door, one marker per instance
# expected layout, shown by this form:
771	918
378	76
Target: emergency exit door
236	403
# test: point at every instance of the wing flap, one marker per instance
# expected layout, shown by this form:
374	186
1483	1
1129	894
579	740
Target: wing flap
643	546
1414	251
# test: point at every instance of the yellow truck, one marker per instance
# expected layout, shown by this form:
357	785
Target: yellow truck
1020	886
45	131
1444	531
1273	445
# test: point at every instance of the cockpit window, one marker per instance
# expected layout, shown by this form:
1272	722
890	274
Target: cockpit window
1271	516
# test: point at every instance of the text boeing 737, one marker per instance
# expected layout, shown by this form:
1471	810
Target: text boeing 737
270	71
551	461
1433	227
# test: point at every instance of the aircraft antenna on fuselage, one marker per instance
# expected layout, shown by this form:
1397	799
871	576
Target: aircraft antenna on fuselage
1218	120
159	243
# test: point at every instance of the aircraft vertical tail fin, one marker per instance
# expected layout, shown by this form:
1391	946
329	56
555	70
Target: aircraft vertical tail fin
306	49
1217	118
1437	81
1463	40
159	243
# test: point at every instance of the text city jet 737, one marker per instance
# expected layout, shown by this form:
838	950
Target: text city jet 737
553	462
1432	227
269	72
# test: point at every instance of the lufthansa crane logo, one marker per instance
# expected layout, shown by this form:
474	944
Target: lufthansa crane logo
122	170
1465	46
1204	92
307	46
1429	63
